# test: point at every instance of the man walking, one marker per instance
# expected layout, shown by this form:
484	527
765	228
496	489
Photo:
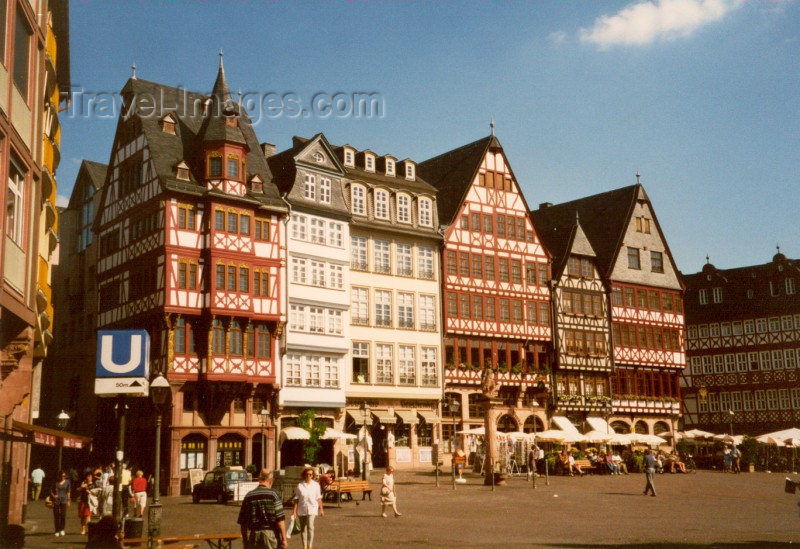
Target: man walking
650	472
37	476
261	517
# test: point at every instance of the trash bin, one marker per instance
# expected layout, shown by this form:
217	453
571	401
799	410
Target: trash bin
133	527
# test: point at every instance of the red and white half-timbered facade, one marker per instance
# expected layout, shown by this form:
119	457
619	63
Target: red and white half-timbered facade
192	242
496	297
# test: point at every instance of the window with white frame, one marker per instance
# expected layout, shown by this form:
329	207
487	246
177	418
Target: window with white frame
381	259
312	371
309	187
360	359
772	399
405	310
737	328
789	359
752	360
406	365
697	365
383	364
736	401
703	329
297	318
317	269
409	171
791	287
749	327
725	329
702	404
389	166
383	308
716	294
325	190
427	312
358	253
797	322
404	266
796	398
774	324
358	200
724	401
747	400
786	323
785	399
334	322
741	362
381	204
692	332
349	157
299	274
703	297
335	234
713	402
359	306
707	365
336	276
330	371
761	325
425	212
299	227
292	368
730	363
765	361
427	366
777	360
425	262
316	320
719	364
403	208
761	400
713	330
369	162
15	201
317	230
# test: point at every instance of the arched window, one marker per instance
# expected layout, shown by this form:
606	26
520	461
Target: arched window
660	427
425	212
381	204
230	450
358	200
530	421
506	424
193	452
403	208
641	428
620	427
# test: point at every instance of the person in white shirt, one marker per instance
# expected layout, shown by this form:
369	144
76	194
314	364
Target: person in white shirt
307	505
37	476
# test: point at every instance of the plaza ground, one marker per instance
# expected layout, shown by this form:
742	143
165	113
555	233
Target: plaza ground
708	508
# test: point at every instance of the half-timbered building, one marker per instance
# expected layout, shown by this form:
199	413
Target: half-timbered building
316	339
743	344
190	238
496	275
582	367
395	332
646	305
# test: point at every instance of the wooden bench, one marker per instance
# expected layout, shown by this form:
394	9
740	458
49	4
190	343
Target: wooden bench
585	465
340	487
214	541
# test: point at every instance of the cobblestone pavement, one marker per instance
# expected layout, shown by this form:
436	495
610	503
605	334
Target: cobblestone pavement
708	508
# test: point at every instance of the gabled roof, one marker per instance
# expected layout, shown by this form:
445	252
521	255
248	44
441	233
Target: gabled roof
149	101
604	218
92	172
453	173
221	108
561	239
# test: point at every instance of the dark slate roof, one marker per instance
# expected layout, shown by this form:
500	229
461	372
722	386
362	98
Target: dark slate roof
735	283
168	150
556	235
453	173
222	107
397	181
97	172
94	173
604	218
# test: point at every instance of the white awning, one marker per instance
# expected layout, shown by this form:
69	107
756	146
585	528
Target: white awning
295	433
565	425
358	418
429	416
407	416
599	424
384	417
333	434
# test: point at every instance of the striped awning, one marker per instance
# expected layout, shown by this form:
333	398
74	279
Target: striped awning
358	418
295	433
429	416
384	417
407	416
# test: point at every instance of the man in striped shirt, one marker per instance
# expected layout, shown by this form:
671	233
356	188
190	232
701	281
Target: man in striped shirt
261	517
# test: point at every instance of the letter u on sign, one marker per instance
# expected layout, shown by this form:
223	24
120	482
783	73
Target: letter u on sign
123	353
134	357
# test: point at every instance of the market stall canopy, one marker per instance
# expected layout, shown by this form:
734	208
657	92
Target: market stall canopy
792	442
597	436
551	435
294	433
474	431
794	432
764	439
407	416
333	434
697	433
384	417
620	438
516	435
358	418
599	424
566	425
429	416
735	439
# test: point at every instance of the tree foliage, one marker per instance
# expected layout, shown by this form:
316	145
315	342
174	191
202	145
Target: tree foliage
316	428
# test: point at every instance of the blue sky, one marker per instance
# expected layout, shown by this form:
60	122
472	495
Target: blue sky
701	97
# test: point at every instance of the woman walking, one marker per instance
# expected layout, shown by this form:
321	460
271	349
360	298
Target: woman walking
388	493
84	511
60	494
307	505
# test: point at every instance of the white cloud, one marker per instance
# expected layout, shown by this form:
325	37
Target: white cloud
647	22
62	201
557	37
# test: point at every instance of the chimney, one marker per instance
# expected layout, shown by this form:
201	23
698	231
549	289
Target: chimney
268	149
544	205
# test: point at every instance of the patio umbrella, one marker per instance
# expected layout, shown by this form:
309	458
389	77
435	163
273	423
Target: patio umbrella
551	435
793	442
620	438
697	433
764	439
333	434
734	439
474	431
597	436
793	432
517	435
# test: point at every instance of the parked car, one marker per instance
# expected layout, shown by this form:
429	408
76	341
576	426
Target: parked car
219	484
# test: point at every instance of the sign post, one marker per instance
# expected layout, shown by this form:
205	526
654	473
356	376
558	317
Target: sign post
122	369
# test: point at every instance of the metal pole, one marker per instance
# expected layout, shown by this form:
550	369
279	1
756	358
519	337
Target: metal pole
263	446
546	473
60	454
536	456
117	509
453	444
154	510
364	448
157	474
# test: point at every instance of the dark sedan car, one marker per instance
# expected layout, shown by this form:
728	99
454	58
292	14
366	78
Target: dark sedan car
219	484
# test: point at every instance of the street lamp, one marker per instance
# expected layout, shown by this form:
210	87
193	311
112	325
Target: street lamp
63	420
365	409
455	407
159	391
732	414
263	415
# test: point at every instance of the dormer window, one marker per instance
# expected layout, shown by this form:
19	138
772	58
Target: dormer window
182	171
256	185
168	124
233	166
403	208
381	204
410	171
390	166
349	157
369	162
215	165
358	200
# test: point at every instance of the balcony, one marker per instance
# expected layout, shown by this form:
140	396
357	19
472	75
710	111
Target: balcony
427	275
359	320
358	265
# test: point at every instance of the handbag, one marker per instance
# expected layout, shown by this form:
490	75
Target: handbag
385	491
48	501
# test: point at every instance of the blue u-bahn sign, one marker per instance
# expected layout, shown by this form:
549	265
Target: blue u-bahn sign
123	363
